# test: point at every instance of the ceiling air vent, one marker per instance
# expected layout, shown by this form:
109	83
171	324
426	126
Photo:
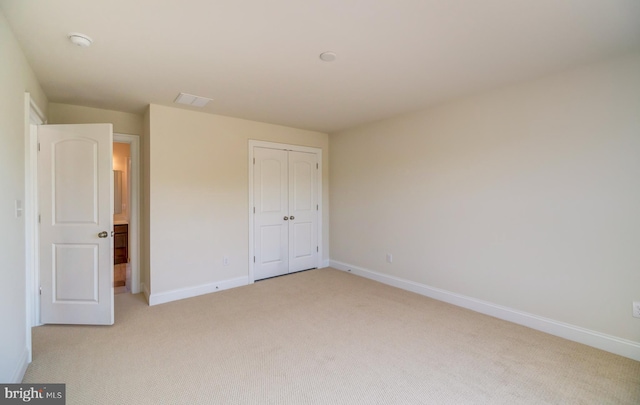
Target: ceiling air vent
190	99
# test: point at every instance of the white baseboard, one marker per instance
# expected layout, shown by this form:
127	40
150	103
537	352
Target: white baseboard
326	263
182	293
21	368
622	347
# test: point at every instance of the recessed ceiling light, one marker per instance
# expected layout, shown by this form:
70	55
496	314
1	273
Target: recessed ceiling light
80	40
328	56
190	99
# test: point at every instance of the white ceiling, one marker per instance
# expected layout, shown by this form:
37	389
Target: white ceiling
258	59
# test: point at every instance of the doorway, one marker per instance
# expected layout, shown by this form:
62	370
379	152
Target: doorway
121	204
285	192
31	210
130	208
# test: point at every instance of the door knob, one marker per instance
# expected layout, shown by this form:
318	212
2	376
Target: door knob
286	218
292	217
103	234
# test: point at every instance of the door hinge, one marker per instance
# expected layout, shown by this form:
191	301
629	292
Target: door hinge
38	146
40	290
39	218
317	166
318	249
317	207
254	161
254	210
254	259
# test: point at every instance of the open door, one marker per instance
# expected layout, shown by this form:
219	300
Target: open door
75	193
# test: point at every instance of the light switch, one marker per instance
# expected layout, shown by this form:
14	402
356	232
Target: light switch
19	208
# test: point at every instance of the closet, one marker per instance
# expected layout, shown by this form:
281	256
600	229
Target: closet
285	211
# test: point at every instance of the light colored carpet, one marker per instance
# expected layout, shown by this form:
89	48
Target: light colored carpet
321	337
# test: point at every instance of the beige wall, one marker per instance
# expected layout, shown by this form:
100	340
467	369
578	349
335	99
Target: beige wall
123	123
198	197
16	78
526	197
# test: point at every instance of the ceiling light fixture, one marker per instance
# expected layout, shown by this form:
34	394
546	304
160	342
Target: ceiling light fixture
328	56
80	40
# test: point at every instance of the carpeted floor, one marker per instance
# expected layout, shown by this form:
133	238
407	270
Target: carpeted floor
321	337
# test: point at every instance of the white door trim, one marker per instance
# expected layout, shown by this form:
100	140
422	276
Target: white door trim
134	204
33	117
273	145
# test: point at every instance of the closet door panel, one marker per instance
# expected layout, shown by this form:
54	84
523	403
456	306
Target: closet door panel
303	211
271	230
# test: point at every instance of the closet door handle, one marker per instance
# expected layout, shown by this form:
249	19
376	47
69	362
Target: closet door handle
286	218
292	217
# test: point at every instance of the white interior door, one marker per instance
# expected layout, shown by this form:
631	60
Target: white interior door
303	211
75	188
285	211
271	213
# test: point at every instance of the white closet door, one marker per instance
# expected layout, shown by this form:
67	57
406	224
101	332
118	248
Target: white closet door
303	214
271	229
286	211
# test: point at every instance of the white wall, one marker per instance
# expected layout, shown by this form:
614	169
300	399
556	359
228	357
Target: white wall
527	197
198	195
16	77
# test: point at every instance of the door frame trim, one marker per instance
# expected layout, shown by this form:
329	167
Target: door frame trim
33	117
134	206
288	147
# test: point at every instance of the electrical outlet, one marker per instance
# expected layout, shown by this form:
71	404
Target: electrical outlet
389	258
636	309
